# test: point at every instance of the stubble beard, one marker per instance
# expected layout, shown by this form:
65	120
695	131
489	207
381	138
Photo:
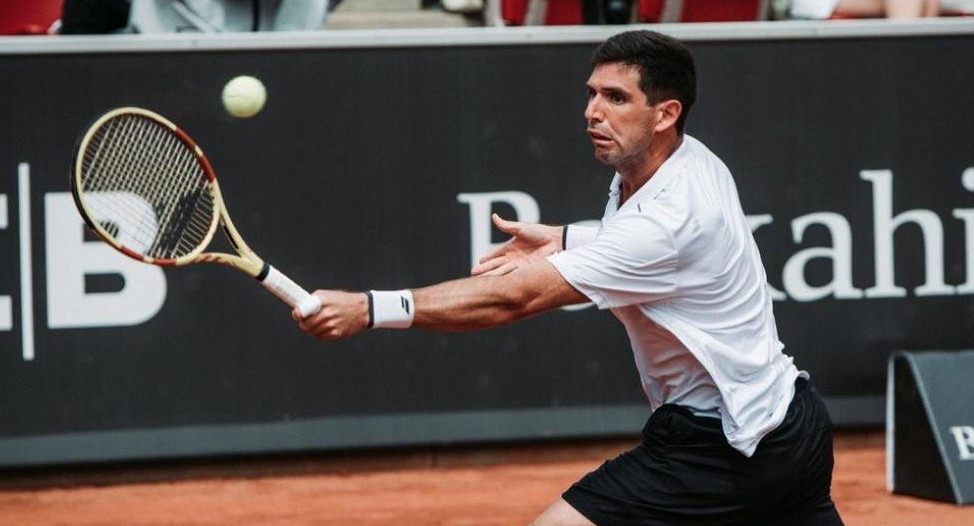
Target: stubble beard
608	156
622	160
613	158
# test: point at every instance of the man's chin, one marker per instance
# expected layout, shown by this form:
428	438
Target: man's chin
603	157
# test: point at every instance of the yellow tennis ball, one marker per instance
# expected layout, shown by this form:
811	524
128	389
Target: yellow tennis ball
244	96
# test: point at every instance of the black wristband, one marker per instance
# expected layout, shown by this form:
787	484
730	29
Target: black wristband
368	293
564	237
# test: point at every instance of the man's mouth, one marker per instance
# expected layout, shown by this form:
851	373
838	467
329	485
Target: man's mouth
598	137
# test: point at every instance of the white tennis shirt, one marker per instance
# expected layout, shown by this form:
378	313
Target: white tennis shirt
678	266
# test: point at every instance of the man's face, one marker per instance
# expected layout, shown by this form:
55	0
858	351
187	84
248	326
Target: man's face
619	120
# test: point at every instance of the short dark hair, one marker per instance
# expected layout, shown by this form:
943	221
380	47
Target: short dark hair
666	67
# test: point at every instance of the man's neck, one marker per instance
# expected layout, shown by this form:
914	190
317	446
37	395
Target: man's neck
638	174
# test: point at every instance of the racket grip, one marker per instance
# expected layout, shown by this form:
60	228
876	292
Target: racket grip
289	291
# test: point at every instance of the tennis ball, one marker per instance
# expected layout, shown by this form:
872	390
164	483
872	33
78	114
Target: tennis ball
244	96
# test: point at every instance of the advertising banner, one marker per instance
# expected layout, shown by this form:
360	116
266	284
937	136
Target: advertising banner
378	168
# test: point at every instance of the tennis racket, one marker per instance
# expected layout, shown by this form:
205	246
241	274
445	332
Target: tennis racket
145	188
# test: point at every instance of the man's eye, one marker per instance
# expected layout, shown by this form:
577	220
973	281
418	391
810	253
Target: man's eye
617	98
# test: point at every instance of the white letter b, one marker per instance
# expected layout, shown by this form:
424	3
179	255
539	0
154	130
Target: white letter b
70	258
964	435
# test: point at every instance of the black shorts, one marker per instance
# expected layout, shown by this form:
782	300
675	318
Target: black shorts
686	473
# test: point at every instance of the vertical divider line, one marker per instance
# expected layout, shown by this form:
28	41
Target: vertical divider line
6	312
26	268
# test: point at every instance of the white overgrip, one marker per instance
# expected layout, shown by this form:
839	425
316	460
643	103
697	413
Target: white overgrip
290	292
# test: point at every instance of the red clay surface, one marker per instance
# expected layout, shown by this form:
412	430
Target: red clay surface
512	491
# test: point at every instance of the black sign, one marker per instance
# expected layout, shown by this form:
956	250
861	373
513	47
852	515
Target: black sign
378	168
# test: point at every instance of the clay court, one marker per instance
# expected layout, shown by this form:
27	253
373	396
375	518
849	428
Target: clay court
481	486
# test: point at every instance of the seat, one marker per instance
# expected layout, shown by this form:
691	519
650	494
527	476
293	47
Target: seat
29	17
564	13
556	12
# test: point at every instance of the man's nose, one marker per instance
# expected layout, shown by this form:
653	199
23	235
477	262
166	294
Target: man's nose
593	111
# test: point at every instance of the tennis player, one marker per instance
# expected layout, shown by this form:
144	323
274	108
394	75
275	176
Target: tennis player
737	434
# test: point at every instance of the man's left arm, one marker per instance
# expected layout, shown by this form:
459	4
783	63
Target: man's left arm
466	304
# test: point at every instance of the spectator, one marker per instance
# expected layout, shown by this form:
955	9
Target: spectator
217	16
607	11
88	17
193	16
824	9
957	7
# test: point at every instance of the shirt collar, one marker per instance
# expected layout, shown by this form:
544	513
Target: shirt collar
659	181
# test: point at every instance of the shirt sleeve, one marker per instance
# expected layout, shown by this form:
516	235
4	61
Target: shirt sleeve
632	260
577	235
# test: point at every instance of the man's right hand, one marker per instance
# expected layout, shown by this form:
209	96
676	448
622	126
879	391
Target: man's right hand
343	315
531	242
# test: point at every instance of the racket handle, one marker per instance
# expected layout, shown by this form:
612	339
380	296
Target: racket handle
289	291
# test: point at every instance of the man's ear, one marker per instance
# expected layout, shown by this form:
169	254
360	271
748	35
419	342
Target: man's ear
667	113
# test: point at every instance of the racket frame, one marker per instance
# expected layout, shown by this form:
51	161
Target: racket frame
246	260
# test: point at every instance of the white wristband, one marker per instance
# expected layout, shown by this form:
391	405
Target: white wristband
391	309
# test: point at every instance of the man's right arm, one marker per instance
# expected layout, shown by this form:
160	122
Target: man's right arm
467	304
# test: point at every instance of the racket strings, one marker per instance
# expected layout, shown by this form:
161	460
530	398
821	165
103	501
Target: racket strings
104	185
112	182
162	147
138	175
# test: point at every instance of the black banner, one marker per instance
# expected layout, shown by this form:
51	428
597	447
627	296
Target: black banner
378	167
